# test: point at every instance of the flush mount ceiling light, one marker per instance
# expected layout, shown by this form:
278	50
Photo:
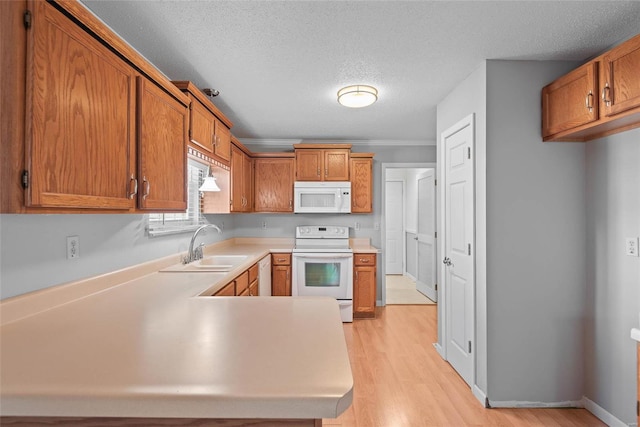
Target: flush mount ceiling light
357	96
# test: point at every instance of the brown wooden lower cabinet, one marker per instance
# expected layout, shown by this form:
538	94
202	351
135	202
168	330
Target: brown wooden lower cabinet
281	274
227	291
364	285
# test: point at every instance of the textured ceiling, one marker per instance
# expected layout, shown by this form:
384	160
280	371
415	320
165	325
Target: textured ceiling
279	64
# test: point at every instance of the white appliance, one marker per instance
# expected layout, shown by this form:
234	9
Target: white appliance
323	265
264	276
322	197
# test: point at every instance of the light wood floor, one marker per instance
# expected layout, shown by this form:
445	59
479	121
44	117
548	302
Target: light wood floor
401	381
402	290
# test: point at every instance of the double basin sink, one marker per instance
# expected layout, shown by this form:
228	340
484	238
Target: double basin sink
213	263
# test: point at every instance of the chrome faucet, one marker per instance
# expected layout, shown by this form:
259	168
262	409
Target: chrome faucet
196	254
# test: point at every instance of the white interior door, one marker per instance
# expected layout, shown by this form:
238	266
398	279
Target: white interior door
394	226
459	248
426	271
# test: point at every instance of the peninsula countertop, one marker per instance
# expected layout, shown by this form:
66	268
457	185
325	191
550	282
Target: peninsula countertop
153	347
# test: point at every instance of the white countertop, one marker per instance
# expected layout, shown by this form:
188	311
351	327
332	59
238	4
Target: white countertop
152	347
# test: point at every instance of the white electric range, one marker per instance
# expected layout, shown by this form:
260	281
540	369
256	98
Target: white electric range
323	265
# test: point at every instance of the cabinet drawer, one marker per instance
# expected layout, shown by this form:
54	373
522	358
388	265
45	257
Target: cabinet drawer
254	291
280	259
227	291
364	259
253	273
242	283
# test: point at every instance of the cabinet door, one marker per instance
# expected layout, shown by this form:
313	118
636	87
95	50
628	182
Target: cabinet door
364	291
247	183
237	175
570	101
222	141
227	291
273	185
162	149
80	150
361	185
621	78
201	131
309	165
281	280
336	165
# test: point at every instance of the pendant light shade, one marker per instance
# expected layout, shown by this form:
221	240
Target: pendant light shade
357	96
209	184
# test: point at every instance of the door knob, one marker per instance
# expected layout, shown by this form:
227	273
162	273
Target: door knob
447	261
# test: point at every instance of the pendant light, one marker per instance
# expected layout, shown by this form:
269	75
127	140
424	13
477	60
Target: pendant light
357	96
209	183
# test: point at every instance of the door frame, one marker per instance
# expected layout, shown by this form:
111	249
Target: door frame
440	195
404	222
382	301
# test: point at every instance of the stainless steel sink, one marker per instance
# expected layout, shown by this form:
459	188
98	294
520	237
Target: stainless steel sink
210	264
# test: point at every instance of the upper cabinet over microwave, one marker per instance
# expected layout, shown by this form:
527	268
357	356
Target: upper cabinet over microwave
322	162
600	98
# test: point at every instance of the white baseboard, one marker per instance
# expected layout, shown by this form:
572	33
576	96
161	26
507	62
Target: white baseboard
440	350
604	415
525	404
479	394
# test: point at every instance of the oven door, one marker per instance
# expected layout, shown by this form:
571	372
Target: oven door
323	274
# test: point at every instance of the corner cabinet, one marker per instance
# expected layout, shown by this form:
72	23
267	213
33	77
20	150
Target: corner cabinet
273	184
600	98
322	162
361	182
364	285
103	130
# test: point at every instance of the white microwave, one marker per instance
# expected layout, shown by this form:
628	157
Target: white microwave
322	197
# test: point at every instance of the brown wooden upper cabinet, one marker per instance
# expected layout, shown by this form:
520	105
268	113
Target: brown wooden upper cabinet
241	180
361	182
273	184
98	134
162	132
600	98
209	129
322	162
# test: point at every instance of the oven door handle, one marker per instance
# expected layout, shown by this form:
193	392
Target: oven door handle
327	255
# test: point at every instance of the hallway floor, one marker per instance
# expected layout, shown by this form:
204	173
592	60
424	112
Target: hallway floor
401	381
402	290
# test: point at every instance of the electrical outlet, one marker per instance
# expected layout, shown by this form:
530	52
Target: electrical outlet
73	247
376	226
264	225
357	227
631	246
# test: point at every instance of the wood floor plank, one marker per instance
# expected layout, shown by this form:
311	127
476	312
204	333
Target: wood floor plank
400	380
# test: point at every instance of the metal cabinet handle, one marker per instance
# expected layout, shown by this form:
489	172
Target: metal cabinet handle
605	94
135	186
318	172
281	259
588	101
147	187
326	172
364	260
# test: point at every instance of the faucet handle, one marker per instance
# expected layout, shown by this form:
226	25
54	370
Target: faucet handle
199	252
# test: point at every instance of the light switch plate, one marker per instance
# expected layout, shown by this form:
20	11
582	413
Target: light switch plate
631	246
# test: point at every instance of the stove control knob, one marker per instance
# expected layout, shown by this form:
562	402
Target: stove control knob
342	231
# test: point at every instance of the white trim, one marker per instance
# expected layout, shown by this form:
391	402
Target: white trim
605	416
371	142
479	394
527	404
440	350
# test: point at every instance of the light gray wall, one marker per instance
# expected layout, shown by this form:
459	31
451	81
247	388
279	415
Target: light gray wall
613	279
535	210
467	98
33	247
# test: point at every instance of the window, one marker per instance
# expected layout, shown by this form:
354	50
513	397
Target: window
182	222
